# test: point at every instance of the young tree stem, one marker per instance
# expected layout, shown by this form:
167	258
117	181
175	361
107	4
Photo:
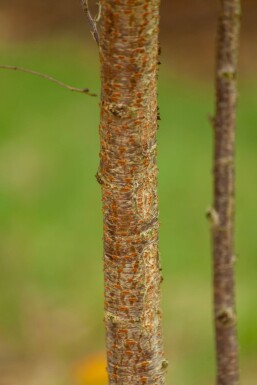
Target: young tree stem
128	177
224	193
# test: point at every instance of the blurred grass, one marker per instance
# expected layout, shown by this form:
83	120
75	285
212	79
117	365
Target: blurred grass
51	285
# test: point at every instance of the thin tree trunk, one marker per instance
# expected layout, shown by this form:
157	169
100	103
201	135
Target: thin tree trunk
128	43
224	187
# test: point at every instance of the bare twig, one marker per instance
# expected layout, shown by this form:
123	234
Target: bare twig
51	79
91	19
98	16
222	213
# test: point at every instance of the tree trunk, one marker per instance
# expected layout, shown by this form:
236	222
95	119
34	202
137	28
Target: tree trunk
128	176
224	186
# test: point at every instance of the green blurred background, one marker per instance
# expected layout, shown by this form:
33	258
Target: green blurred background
51	282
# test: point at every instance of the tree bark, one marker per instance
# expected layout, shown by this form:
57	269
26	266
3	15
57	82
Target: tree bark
224	191
128	43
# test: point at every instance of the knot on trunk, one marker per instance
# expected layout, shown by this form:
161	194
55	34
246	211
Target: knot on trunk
165	364
99	177
227	72
226	317
118	110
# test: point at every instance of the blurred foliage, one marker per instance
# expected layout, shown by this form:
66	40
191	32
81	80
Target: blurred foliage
51	284
187	30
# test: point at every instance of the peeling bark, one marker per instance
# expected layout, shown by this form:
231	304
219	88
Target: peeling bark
128	43
222	214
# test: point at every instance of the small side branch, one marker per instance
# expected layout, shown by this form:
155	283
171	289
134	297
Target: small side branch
213	217
92	20
51	79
